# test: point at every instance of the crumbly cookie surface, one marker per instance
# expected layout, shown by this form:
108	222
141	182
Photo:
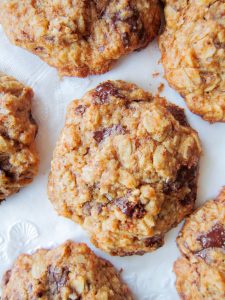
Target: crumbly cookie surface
125	167
69	272
80	37
193	54
201	269
18	157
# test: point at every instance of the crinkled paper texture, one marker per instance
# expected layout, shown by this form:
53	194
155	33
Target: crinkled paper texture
28	220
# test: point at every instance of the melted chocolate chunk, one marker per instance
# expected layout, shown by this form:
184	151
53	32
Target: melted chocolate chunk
80	110
125	206
130	253
130	209
184	176
3	133
139	211
219	45
178	114
106	132
104	90
215	238
142	37
5	166
189	198
134	22
40	294
98	135
154	241
57	278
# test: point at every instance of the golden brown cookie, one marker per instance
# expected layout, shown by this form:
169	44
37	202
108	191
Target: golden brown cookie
193	54
80	37
69	272
125	167
18	157
201	269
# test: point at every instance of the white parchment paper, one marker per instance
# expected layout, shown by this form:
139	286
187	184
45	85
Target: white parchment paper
27	219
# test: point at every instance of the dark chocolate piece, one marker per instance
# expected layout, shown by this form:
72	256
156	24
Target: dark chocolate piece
215	238
106	132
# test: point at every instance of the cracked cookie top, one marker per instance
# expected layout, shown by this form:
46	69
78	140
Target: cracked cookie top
193	54
69	272
125	167
80	37
18	157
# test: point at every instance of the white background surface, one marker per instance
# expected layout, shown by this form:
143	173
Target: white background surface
27	219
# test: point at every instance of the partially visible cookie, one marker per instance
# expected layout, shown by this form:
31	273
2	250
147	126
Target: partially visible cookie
82	37
125	167
201	269
69	272
193	54
18	157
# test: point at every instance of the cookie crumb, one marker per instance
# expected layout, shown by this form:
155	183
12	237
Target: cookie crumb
161	88
156	74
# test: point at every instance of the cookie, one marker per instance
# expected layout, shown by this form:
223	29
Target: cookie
193	54
201	269
69	272
81	38
125	167
18	157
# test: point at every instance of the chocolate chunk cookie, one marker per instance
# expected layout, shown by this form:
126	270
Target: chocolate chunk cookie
193	54
80	37
201	269
18	157
125	167
69	272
